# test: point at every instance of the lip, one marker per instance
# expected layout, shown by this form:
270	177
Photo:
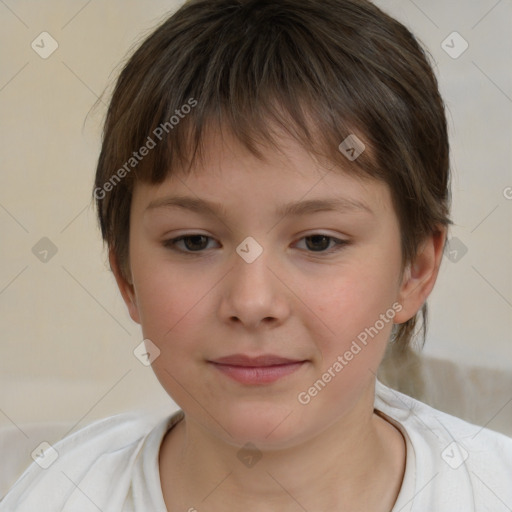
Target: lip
259	370
256	361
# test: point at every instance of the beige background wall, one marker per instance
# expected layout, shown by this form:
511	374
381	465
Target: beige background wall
67	341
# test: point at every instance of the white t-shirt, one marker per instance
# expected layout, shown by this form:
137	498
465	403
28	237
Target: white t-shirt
112	465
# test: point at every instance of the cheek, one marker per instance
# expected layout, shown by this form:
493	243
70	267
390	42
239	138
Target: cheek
172	301
354	297
173	315
354	315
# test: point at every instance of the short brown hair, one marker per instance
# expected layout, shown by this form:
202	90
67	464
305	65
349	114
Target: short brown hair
319	69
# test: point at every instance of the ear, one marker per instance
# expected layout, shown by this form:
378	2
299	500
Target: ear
420	275
125	287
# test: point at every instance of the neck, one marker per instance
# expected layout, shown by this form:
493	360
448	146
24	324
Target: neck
356	463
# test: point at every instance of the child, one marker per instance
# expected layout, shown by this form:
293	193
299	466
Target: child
304	143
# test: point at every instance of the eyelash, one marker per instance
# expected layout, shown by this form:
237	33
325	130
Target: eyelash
171	243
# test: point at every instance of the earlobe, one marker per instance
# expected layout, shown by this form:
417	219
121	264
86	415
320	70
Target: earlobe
420	275
125	287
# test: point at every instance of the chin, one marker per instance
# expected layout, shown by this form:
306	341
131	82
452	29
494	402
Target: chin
267	427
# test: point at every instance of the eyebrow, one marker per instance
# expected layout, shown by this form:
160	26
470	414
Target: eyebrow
205	207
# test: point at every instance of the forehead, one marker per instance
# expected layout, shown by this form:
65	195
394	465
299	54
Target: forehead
287	177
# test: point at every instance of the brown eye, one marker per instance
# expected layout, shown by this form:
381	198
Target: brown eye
318	242
196	242
191	243
324	244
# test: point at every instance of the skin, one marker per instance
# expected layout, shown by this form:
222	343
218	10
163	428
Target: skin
296	300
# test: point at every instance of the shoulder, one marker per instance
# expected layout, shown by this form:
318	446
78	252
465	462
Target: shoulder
440	427
453	457
84	459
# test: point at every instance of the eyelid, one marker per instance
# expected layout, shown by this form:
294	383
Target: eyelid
170	243
339	243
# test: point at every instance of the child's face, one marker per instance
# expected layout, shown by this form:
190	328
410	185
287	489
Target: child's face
299	299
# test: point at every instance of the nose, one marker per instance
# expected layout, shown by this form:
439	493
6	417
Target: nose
254	294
